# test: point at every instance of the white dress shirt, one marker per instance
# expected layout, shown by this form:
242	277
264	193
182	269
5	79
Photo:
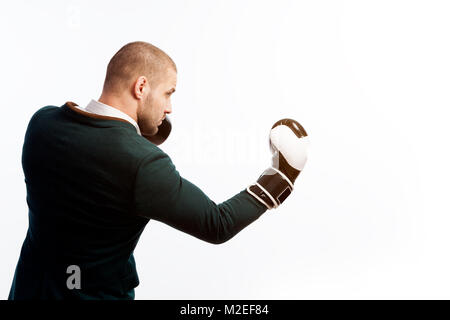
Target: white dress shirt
97	107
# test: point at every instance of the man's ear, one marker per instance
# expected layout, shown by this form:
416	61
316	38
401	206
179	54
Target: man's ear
140	87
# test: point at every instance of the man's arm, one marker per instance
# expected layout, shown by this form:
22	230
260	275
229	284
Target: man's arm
162	194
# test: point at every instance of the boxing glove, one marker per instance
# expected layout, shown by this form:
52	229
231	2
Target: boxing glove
163	132
289	145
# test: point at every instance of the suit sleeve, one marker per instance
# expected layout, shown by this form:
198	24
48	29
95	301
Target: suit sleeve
162	194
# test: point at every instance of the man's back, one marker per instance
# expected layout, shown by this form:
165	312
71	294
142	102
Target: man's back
79	177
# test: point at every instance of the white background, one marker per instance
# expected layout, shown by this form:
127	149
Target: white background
369	81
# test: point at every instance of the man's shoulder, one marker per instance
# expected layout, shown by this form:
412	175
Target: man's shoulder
42	113
141	147
46	110
130	145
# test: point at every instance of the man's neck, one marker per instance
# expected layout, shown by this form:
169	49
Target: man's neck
119	104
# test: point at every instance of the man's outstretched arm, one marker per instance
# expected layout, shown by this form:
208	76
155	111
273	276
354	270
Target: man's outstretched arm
160	193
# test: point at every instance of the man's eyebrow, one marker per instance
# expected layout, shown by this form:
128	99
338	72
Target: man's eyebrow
172	90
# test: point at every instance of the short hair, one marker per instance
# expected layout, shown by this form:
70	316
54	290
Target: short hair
137	59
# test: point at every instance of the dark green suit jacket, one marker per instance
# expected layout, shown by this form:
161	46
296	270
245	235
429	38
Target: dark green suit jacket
92	186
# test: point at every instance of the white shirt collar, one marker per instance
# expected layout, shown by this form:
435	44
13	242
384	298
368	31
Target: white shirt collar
97	107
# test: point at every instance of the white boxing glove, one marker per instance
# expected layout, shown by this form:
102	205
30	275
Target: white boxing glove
289	145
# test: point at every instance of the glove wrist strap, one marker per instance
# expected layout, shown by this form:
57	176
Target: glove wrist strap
271	188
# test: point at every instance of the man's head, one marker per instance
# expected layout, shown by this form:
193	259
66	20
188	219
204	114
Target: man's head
139	81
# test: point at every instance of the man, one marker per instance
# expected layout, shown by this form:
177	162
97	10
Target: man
95	177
